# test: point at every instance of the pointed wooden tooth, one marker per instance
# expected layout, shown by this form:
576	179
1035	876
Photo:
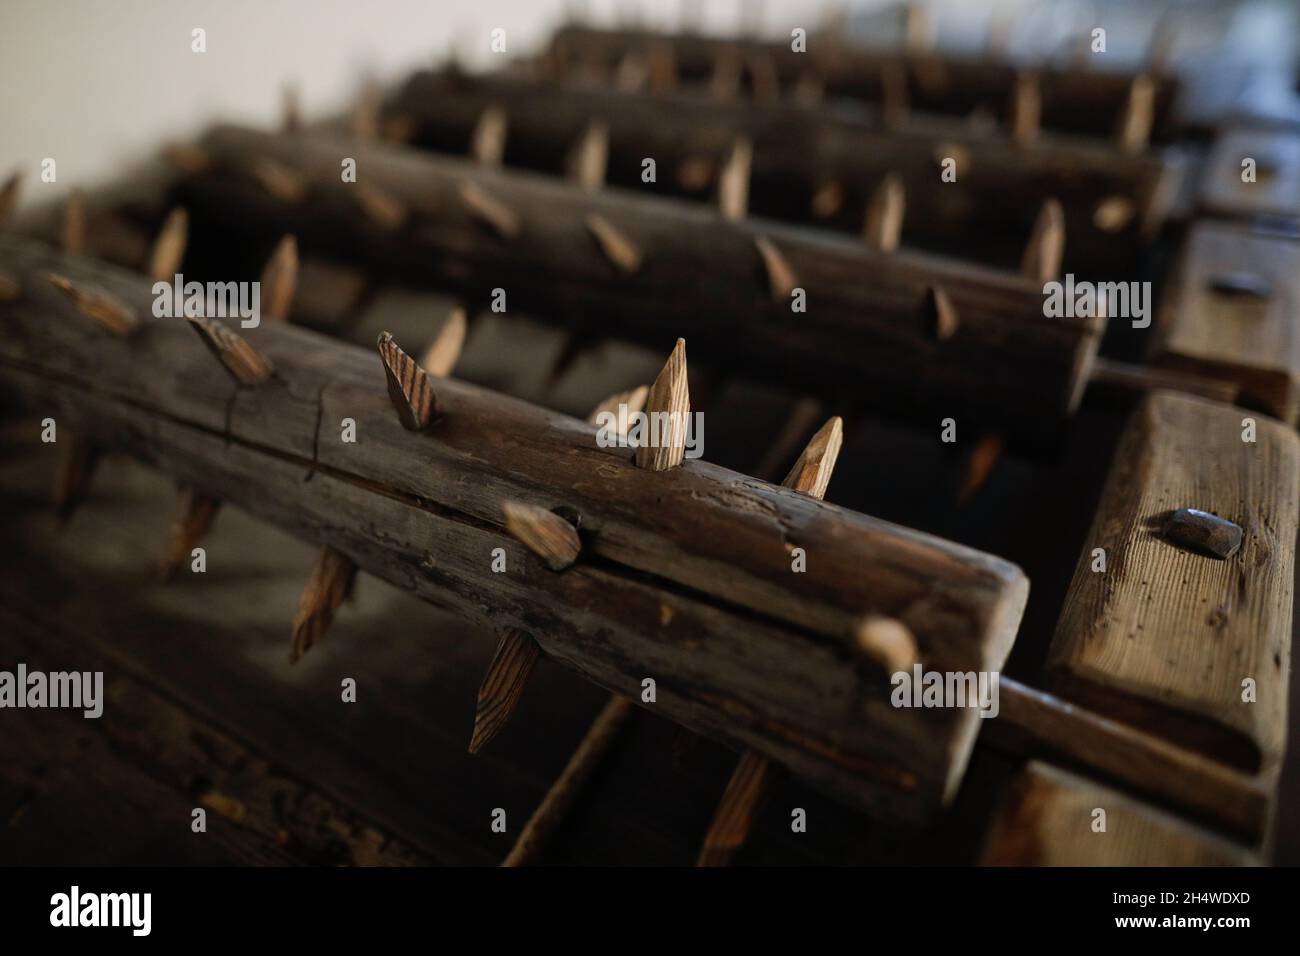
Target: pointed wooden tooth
885	642
1161	44
893	94
398	129
488	142
733	181
763	79
883	226
617	248
489	211
103	307
364	118
828	198
546	534
330	584
408	386
724	83
245	364
780	275
1001	21
737	810
279	280
632	73
1133	132
589	158
187	158
634	399
503	685
661	69
72	476
11	286
694	173
74	223
195	514
9	195
279	180
443	353
918	29
979	467
1026	108
168	251
290	109
1042	257
939	315
379	207
812	472
669	394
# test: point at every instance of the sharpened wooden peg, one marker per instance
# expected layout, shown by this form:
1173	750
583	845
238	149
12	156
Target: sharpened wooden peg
893	94
363	121
883	225
634	399
885	642
724	83
11	286
737	810
661	69
488	141
1046	246
1133	130
444	351
195	514
1204	533
279	180
169	248
979	467
408	386
763	80
74	223
9	195
939	315
72	476
812	471
489	210
617	247
1026	108
280	280
780	276
104	308
290	109
379	207
669	396
546	534
187	158
733	181
587	162
503	685
245	364
332	579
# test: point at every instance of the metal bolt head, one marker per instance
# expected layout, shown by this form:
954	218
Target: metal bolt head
1203	532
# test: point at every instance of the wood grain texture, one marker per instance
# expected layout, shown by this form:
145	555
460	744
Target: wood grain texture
1276	189
679	552
1046	819
1165	637
1247	339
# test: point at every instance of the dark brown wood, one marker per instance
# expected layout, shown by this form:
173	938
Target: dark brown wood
865	324
676	555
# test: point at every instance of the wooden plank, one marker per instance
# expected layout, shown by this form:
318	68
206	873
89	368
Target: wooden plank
1048	818
1275	190
1166	637
673	553
1229	313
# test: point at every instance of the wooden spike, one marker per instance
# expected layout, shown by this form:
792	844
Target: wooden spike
979	467
74	223
733	181
587	162
883	226
168	251
1001	21
763	78
828	198
918	29
443	353
245	364
1160	46
893	94
886	643
11	286
489	211
9	195
290	109
632	72
618	249
187	158
939	316
1042	257
488	142
106	309
737	810
194	517
364	119
331	582
279	180
280	280
72	475
780	275
1133	132
661	69
566	788
1026	108
408	386
634	399
379	207
812	472
669	394
546	534
724	83
503	685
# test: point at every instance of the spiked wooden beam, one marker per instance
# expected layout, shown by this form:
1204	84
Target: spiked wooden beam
1112	200
686	574
867	323
1074	100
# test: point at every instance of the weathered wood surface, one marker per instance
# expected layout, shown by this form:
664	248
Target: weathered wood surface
1165	637
815	166
1229	312
1073	99
670	558
1228	188
865	326
1047	819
